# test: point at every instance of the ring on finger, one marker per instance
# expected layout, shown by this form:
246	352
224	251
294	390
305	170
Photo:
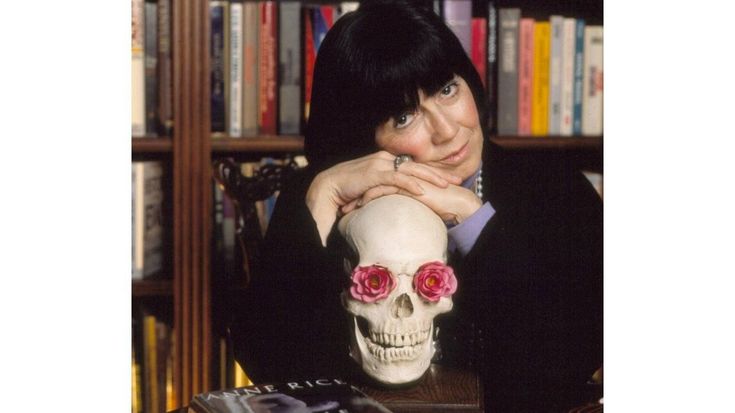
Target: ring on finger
399	160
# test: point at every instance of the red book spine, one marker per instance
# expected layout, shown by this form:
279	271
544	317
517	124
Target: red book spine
309	58
479	47
328	13
525	75
267	75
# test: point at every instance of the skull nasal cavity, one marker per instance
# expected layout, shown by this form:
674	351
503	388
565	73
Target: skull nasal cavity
402	307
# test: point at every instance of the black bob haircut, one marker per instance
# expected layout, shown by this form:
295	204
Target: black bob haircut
370	67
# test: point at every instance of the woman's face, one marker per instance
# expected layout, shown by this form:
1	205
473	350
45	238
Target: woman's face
443	132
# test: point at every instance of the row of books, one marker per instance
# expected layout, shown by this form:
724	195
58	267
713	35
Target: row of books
148	223
550	76
152	68
152	388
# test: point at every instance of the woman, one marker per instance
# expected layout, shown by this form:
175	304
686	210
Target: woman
397	107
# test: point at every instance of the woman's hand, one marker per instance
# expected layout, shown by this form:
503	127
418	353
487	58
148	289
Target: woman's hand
452	203
341	187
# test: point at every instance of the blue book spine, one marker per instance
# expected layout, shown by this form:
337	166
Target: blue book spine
217	74
578	76
320	27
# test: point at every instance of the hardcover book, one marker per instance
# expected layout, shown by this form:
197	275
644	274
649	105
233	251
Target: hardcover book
165	70
236	54
151	68
567	77
555	73
525	75
592	84
578	77
458	16
250	69
138	68
540	97
319	395
148	231
491	84
289	122
217	52
267	68
508	20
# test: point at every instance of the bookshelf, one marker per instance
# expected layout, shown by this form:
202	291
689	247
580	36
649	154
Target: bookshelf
186	288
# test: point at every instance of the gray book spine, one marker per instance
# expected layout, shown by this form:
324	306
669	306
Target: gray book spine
151	65
289	68
508	71
557	29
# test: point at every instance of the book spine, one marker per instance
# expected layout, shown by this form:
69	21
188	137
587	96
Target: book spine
165	70
138	114
236	54
567	77
492	59
151	63
290	69
267	71
309	58
578	77
508	20
592	85
525	75
479	47
217	74
458	16
250	69
540	102
555	58
153	218
137	221
150	363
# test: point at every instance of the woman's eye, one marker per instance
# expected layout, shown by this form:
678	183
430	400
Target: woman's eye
450	90
403	120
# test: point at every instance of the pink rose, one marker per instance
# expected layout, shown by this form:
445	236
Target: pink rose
435	280
370	284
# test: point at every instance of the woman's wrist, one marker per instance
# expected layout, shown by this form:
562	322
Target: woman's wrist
321	206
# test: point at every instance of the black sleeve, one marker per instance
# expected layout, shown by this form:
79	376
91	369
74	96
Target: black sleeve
291	323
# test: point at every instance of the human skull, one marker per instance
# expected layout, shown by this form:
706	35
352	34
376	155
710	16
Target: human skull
400	242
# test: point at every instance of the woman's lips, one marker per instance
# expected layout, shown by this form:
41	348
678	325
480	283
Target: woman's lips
458	156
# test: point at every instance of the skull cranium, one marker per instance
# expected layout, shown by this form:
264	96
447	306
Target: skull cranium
400	284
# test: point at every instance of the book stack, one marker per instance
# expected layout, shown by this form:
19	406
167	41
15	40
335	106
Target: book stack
550	76
152	363
148	228
152	69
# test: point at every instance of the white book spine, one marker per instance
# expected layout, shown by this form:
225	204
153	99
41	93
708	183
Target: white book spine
138	219
235	106
567	77
250	69
138	68
592	83
557	27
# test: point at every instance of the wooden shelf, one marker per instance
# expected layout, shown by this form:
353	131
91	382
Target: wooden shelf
563	143
263	143
291	143
152	288
151	144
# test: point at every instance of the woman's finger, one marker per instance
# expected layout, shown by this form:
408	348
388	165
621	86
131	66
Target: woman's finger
376	192
407	182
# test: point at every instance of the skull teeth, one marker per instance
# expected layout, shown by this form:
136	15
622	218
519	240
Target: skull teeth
390	354
398	340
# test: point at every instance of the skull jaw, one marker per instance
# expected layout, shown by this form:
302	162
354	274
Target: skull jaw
392	373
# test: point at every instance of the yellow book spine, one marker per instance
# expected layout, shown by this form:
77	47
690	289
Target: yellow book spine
151	363
540	100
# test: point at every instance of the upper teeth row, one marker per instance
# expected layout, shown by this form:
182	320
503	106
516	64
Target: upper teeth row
399	340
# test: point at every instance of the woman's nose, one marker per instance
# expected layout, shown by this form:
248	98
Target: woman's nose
444	127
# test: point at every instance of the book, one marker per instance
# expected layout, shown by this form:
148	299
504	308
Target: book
479	47
592	83
289	99
138	114
508	20
218	67
540	95
567	76
250	69
267	69
148	228
458	16
234	128
165	70
556	23
525	75
151	67
309	58
578	77
491	81
318	395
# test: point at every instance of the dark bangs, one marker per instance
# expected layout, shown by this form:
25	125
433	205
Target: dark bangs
371	67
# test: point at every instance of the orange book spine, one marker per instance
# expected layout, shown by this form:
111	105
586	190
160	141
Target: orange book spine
541	56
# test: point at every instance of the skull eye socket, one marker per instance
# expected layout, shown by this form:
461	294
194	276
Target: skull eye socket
434	280
371	283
